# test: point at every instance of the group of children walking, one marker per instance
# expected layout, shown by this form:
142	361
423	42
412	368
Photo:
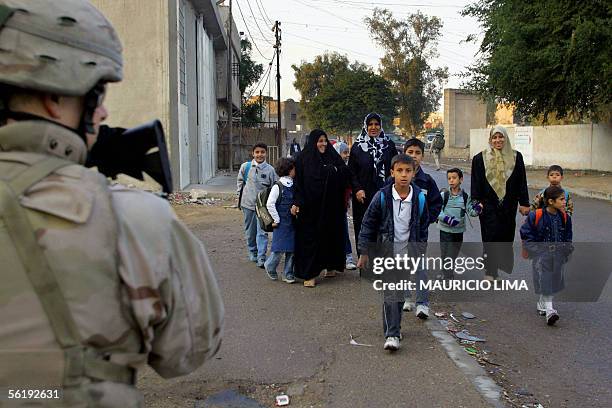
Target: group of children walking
401	212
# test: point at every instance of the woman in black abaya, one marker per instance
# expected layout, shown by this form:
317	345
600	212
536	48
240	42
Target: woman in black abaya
320	181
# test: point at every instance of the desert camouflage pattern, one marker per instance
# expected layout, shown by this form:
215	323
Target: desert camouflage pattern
138	284
59	46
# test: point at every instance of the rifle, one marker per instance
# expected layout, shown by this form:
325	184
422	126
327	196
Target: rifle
132	152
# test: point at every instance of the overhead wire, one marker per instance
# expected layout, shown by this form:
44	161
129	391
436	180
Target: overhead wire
249	31
262	11
257	24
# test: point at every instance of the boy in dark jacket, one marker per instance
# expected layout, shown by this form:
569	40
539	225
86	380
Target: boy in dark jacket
415	149
396	216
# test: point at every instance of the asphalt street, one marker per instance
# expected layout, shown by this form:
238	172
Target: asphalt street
570	364
282	338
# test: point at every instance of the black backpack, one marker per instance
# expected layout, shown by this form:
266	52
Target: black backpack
446	195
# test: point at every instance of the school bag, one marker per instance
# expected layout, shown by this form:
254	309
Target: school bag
446	195
263	215
538	216
246	178
421	199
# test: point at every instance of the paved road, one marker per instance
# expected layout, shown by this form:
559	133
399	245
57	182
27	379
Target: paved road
568	365
279	335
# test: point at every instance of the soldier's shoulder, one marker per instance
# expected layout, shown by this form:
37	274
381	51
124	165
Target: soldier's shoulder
140	206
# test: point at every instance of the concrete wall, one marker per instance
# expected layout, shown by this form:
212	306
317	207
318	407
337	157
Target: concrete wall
585	147
142	26
462	111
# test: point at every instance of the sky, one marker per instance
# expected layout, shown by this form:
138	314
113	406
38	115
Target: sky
312	27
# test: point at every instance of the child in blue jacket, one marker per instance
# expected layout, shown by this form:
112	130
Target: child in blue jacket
547	237
397	215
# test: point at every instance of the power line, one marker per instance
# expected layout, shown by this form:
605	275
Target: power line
329	45
267	73
351	2
257	24
249	31
263	13
327	12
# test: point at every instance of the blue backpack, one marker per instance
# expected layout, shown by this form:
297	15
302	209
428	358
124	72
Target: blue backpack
421	199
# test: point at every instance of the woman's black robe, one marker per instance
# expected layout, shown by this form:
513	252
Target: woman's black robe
498	218
320	183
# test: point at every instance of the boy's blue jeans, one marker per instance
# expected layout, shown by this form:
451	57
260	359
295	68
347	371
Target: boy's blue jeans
256	238
273	261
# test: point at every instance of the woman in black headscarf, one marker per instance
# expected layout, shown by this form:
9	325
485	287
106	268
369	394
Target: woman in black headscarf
320	181
370	165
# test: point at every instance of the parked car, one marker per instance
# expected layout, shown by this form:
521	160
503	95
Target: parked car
399	142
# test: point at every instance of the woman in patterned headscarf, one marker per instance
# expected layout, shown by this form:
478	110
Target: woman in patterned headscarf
498	184
370	165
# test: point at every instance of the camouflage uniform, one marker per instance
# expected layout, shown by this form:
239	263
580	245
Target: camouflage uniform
97	280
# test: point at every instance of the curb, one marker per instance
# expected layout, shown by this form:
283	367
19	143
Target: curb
580	192
487	388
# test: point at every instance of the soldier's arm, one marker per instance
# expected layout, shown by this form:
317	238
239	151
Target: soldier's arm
171	289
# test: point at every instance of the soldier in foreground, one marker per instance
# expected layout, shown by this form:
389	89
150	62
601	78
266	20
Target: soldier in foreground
96	280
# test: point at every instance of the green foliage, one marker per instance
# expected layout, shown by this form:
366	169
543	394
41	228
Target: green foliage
250	72
545	57
409	44
337	95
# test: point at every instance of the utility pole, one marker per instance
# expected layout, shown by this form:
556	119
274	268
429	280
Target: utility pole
278	78
230	77
260	108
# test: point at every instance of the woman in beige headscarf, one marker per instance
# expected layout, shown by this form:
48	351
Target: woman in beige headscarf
498	185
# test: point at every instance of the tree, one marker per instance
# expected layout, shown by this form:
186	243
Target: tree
343	105
336	94
250	72
547	58
409	45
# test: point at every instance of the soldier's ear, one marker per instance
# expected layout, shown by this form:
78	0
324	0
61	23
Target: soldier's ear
51	103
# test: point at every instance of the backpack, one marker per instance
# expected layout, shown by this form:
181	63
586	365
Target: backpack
421	199
538	216
438	143
446	195
263	215
246	178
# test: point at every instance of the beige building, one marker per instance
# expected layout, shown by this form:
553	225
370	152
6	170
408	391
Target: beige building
175	54
462	111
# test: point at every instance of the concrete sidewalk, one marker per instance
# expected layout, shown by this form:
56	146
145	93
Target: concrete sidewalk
223	185
590	184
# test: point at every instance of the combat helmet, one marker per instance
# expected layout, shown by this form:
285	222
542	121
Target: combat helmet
64	47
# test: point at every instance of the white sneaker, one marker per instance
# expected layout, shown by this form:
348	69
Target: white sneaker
392	343
408	306
551	317
351	266
422	312
541	307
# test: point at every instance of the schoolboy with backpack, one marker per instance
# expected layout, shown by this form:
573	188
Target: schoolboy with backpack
254	176
451	221
396	216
